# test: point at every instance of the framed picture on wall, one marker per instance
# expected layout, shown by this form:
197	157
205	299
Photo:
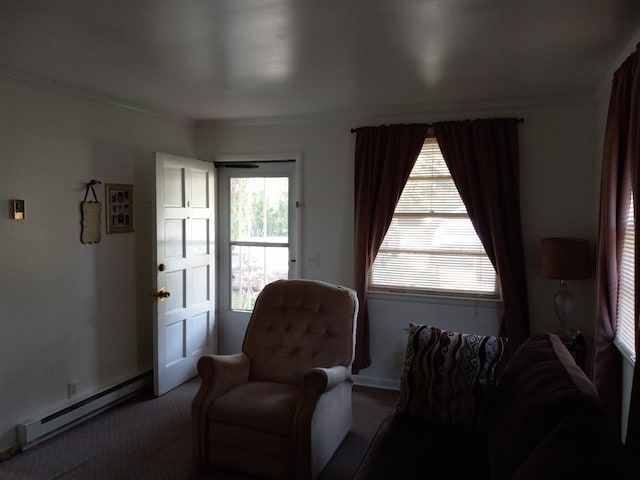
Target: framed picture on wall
119	211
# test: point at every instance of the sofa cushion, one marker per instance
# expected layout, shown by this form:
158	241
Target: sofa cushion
446	376
405	449
540	386
581	446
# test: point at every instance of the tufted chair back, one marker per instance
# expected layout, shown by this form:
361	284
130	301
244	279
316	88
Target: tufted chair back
297	325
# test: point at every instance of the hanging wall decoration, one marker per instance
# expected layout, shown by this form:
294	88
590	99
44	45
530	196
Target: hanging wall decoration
119	212
91	213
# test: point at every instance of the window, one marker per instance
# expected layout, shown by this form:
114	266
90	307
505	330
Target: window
625	308
431	245
259	239
256	229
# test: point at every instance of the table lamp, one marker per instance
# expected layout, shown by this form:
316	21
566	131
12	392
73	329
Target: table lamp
564	259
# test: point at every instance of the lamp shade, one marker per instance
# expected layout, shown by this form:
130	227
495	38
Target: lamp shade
564	259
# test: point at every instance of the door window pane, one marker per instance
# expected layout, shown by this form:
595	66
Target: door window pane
253	267
259	236
259	209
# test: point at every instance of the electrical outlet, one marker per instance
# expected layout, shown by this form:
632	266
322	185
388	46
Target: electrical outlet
72	388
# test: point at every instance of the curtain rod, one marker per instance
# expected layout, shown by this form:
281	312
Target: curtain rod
354	130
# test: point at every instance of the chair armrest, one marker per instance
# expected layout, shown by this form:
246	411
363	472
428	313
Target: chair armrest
219	373
320	403
323	379
315	382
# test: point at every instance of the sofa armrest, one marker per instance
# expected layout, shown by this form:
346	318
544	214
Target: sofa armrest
540	386
219	373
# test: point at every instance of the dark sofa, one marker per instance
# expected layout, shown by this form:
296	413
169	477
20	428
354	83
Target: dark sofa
543	420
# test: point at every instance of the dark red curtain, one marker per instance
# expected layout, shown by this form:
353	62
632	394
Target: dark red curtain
383	161
483	158
619	172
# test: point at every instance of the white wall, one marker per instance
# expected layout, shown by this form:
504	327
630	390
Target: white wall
559	198
560	191
327	182
68	311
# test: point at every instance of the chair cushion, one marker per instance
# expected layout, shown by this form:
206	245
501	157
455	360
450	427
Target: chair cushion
447	377
265	406
297	325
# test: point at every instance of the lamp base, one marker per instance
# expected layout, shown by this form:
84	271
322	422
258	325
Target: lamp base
563	303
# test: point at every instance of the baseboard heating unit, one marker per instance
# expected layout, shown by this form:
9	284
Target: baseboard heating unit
32	432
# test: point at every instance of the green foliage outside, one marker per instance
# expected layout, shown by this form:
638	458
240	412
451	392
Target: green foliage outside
259	213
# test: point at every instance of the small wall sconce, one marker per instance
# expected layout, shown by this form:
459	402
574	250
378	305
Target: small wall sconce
564	259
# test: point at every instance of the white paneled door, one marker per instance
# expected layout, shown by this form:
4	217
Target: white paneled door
185	323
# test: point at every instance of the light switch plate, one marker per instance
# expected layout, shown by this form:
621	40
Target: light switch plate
18	209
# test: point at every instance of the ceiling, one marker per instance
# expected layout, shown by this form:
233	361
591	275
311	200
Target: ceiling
223	59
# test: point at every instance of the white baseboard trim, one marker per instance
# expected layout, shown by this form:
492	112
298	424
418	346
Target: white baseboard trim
374	382
32	432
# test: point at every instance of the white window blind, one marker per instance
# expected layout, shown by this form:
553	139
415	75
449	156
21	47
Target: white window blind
431	245
625	305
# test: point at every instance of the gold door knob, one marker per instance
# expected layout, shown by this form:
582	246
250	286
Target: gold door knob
161	294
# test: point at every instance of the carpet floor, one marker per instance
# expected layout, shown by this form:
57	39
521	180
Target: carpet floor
150	438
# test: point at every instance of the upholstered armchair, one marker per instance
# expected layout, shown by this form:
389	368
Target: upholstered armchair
281	407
